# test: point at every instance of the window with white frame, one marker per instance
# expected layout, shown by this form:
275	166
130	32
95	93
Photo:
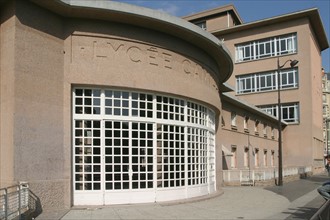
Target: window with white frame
266	81
290	111
268	47
124	140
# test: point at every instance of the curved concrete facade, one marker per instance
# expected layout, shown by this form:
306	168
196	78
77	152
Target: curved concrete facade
49	48
140	59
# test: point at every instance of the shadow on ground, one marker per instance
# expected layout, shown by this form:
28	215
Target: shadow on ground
301	213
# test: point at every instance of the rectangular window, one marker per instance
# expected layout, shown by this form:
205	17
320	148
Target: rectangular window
268	47
265	158
87	101
233	119
246	124
256	157
272	161
201	24
246	157
256	127
233	162
290	111
265	129
266	81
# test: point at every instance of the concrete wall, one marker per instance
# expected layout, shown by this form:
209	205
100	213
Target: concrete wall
219	23
247	138
41	156
317	103
7	57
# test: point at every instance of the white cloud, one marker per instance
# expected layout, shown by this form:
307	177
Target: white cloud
169	8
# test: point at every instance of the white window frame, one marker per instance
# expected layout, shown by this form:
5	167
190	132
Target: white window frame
267	81
290	111
268	47
192	147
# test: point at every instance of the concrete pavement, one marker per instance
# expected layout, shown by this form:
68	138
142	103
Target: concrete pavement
294	200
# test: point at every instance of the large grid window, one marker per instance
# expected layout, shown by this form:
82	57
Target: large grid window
87	157
142	155
142	105
171	156
127	140
269	47
197	156
117	155
290	111
197	114
169	108
211	157
266	81
88	101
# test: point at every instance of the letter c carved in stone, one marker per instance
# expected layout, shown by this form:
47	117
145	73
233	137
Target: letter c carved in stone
134	54
187	66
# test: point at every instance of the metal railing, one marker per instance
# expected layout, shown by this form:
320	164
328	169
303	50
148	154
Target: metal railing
323	213
14	201
261	174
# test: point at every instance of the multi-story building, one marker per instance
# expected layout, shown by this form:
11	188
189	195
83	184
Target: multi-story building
258	49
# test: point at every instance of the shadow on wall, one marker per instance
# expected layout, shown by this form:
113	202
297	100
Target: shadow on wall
35	207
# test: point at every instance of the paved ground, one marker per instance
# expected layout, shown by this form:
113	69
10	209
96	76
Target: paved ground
294	200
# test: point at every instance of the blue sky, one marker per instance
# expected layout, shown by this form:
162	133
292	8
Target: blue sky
248	10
